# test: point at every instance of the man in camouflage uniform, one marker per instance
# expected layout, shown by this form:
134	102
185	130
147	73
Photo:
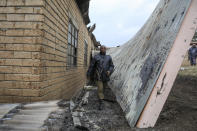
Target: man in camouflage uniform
102	67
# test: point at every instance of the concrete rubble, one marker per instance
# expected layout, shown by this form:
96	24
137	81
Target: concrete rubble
6	108
87	116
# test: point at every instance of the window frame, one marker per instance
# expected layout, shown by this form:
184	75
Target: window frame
85	53
72	45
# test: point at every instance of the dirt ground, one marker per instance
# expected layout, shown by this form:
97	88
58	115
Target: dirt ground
179	112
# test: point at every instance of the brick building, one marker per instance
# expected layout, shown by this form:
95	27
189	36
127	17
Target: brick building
44	49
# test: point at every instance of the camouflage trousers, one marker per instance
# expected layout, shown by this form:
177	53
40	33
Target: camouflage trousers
101	87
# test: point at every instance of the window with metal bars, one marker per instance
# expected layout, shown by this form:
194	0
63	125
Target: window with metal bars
72	45
85	53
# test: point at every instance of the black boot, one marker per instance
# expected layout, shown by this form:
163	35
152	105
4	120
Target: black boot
100	105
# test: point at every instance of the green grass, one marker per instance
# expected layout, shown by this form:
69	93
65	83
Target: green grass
188	71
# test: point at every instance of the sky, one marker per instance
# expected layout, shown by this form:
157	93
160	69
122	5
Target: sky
117	21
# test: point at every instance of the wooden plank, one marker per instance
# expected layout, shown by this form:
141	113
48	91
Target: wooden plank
139	62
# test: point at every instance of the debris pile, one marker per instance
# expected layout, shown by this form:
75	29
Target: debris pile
86	115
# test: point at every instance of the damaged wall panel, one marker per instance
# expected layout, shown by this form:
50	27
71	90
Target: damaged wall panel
139	62
172	65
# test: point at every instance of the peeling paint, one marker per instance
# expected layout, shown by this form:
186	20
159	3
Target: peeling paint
138	63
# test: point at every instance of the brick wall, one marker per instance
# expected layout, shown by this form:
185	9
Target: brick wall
33	50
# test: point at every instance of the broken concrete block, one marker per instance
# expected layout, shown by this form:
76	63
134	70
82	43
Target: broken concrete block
6	108
85	99
76	120
72	105
90	87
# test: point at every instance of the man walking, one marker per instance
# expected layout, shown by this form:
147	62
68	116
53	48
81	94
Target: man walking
102	67
192	54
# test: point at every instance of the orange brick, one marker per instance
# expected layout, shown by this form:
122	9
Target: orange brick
2	2
13	92
36	55
31	62
34	2
18	47
23	10
2	32
37	40
36	70
2	91
28	77
5	84
38	10
21	85
30	92
19	99
5	69
22	70
14	32
3	17
6	54
15	17
34	17
15	2
28	47
7	10
2	46
27	25
22	54
35	85
35	99
42	84
17	77
6	99
33	33
6	25
2	77
17	62
19	40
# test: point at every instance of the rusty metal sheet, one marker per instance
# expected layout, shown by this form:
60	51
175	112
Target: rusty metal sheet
139	62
